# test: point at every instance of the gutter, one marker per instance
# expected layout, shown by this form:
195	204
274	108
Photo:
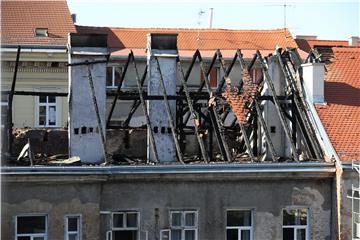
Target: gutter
322	167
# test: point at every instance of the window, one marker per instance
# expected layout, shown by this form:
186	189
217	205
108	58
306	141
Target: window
124	226
47	111
113	76
41	32
295	224
32	227
256	75
213	77
73	227
239	225
183	225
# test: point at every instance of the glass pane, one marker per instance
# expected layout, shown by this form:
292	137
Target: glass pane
39	238
125	235
51	99
42	99
52	115
300	234
176	219
72	224
118	220
288	234
109	76
289	217
245	234
189	234
31	224
175	234
117	75
165	235
131	219
303	216
239	218
232	234
73	236
23	238
190	219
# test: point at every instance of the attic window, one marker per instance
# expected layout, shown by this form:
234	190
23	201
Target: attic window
41	32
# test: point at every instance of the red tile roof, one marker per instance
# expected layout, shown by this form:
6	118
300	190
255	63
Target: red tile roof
20	18
341	115
239	101
307	44
209	39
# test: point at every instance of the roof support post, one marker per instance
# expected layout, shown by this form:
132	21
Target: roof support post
10	103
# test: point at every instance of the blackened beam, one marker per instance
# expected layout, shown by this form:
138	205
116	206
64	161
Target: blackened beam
136	103
196	118
98	118
197	55
278	107
189	69
121	96
168	112
225	70
10	102
143	104
307	130
217	124
118	89
87	63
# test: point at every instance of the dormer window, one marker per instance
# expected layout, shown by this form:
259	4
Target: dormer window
41	32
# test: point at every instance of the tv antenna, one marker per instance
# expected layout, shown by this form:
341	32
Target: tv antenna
200	14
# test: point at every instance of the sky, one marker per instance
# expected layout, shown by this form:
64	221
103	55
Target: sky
330	19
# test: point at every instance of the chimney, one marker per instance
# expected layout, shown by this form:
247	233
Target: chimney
314	77
73	17
164	47
353	41
87	96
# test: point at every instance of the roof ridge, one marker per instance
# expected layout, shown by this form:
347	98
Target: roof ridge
184	29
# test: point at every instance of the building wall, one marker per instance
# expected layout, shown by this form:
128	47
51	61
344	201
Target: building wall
349	178
30	77
154	195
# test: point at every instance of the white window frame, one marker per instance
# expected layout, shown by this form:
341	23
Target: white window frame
113	84
66	222
182	226
241	228
124	228
32	235
57	105
298	227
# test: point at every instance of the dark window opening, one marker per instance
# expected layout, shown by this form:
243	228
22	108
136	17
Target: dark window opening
76	131
163	130
156	129
83	130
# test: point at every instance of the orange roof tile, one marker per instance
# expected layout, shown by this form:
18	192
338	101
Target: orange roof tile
209	39
341	115
20	18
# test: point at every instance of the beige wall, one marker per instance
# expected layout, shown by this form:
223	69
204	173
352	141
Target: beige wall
30	77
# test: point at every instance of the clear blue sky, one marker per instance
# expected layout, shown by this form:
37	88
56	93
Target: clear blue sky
332	19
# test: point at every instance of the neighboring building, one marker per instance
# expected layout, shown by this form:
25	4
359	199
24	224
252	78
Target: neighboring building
41	29
337	116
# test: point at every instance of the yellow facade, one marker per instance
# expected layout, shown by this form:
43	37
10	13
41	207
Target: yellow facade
39	70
